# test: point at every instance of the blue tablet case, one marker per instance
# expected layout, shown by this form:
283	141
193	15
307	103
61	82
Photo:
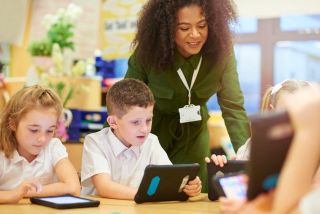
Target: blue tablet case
165	182
232	166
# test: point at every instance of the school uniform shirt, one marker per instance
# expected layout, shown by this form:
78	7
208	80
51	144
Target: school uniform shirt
104	153
189	142
310	202
15	170
243	152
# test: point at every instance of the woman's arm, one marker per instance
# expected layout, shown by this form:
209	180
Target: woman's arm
68	181
231	102
110	189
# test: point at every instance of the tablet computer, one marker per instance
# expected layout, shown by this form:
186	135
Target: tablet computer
233	185
270	141
65	202
232	166
165	182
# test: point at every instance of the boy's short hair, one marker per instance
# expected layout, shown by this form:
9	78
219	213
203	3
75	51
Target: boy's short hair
128	93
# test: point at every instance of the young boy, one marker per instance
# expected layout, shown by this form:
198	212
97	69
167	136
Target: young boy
114	158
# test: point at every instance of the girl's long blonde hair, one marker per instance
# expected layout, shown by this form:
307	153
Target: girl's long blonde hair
26	99
271	95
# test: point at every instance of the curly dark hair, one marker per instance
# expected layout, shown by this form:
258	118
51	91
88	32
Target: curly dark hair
155	38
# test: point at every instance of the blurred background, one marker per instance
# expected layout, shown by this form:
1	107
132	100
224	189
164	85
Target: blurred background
273	41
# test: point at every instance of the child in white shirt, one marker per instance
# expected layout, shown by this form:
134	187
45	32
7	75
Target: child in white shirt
114	159
32	162
271	101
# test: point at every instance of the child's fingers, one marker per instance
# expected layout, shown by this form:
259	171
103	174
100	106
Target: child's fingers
214	158
193	189
230	205
207	160
219	159
222	159
195	181
34	185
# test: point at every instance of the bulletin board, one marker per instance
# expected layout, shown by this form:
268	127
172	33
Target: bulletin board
119	19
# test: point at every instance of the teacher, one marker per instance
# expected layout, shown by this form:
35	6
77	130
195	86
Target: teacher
183	52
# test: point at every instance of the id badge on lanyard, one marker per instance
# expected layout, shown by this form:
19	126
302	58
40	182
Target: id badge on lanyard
190	112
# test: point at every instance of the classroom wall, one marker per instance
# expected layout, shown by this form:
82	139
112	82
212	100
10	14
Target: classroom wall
20	60
87	32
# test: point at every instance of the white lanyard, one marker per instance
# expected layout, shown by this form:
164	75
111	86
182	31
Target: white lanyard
194	76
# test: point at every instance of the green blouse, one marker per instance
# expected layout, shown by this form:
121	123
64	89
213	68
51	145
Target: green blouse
171	94
189	142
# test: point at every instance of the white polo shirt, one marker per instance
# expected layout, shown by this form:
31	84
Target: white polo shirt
17	169
104	153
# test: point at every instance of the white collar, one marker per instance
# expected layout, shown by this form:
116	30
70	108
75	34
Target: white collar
118	147
16	158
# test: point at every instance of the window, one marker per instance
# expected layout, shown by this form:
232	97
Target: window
245	25
306	24
297	60
248	67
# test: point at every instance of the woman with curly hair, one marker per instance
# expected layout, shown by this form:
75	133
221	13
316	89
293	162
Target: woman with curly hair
183	52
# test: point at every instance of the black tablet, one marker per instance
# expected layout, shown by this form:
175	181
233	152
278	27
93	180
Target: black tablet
232	166
271	138
165	182
64	202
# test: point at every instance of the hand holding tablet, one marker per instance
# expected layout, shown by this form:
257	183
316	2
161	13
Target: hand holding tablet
165	182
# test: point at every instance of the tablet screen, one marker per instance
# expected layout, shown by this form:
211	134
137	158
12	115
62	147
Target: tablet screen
234	187
65	200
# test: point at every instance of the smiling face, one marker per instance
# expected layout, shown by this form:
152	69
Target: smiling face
191	31
34	131
133	128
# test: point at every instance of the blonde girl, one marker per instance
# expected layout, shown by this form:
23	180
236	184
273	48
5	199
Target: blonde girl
271	101
32	161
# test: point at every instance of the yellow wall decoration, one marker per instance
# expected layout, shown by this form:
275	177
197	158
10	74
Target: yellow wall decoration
119	19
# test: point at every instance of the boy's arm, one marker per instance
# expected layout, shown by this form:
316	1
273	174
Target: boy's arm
68	181
110	189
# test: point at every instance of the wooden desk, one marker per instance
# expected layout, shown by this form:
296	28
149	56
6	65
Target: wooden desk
200	204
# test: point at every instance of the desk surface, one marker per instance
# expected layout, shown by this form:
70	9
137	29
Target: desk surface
200	204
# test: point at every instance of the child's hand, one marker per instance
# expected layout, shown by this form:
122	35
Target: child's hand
231	205
33	187
193	188
23	190
262	204
220	160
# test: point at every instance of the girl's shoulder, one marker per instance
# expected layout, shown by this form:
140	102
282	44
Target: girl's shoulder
55	150
54	146
55	142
